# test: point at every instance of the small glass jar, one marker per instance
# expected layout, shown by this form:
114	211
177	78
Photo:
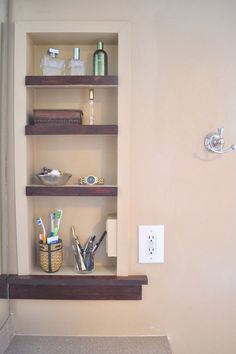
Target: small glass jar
84	263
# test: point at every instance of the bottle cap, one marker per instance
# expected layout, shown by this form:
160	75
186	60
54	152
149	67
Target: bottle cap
76	53
100	45
91	94
53	52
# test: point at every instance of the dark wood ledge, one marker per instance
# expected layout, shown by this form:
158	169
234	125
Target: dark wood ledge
57	287
3	286
67	80
71	129
71	191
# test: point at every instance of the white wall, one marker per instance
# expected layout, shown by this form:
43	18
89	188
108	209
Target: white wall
183	86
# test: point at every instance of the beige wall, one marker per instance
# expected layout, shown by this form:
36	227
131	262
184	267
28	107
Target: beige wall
183	86
4	303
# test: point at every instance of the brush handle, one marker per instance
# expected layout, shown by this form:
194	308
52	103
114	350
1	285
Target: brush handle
56	229
44	230
52	218
99	242
40	223
55	232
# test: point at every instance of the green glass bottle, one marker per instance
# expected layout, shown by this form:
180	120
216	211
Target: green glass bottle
100	60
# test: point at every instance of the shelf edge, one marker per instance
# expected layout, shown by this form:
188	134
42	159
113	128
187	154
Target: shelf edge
46	129
3	286
76	287
71	191
67	80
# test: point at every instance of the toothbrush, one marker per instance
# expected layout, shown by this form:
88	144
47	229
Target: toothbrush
52	219
39	222
58	216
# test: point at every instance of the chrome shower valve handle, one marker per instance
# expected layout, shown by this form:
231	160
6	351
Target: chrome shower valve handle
214	142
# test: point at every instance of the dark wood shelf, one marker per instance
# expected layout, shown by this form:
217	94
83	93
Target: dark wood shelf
57	287
70	129
3	286
72	191
66	80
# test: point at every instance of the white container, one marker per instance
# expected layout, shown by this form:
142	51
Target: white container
111	228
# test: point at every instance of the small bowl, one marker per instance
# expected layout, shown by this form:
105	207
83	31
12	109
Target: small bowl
54	180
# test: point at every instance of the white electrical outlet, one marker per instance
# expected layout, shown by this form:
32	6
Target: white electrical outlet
151	243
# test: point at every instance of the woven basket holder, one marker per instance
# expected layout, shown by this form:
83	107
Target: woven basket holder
51	257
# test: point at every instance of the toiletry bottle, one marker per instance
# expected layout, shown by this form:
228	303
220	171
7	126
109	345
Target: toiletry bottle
51	65
91	107
100	60
76	66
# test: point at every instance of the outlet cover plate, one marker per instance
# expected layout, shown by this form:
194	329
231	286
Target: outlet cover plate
151	243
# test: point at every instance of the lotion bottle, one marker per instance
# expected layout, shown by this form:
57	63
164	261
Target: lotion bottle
100	62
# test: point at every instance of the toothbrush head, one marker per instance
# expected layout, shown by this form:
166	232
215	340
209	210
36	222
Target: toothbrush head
58	214
52	216
39	221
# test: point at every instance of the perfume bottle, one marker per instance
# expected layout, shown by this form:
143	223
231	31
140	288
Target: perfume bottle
51	65
76	66
100	60
91	107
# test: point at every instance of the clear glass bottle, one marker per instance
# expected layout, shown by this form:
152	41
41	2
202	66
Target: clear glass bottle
91	107
100	62
76	66
51	65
